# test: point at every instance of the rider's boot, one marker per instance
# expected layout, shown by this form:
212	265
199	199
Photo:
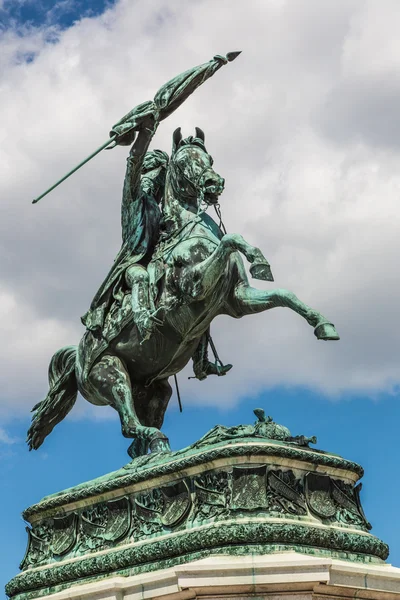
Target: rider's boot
210	368
145	319
203	367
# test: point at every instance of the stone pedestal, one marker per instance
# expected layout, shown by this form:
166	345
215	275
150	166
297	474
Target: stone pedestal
278	576
235	515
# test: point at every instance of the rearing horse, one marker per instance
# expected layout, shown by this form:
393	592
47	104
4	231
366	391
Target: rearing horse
196	273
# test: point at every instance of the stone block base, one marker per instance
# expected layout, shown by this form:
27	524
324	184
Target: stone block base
280	576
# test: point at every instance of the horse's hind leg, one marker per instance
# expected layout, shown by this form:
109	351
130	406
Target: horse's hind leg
160	393
111	383
109	380
249	300
151	407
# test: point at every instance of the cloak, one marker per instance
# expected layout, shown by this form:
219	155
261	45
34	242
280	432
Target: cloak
144	218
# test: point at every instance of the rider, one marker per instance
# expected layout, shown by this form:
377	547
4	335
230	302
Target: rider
140	219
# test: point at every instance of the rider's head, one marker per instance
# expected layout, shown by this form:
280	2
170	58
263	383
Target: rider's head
153	173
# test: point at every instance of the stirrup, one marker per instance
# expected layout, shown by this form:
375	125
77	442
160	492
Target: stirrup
212	369
222	369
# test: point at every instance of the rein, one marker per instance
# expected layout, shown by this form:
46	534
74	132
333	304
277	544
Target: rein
221	224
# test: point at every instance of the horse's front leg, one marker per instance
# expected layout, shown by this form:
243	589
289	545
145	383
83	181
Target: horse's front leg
260	268
197	280
249	300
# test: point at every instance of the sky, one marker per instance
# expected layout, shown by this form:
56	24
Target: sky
304	128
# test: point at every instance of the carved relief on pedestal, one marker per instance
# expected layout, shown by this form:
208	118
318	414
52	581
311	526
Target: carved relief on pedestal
233	492
334	500
285	493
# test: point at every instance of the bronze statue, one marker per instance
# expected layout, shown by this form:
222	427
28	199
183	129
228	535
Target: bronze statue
176	271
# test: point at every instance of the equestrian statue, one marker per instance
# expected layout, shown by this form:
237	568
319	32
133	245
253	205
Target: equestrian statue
176	271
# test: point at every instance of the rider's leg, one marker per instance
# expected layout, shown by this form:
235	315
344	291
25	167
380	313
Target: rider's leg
202	366
144	317
249	300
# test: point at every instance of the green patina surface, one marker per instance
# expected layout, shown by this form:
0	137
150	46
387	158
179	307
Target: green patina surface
239	490
225	445
235	491
257	540
177	270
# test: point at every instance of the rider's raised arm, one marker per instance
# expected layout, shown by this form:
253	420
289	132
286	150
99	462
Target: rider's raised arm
131	195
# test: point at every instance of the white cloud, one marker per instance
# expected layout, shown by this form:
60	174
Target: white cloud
303	126
30	340
5	438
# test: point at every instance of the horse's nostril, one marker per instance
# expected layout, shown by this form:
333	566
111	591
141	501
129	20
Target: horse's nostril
215	182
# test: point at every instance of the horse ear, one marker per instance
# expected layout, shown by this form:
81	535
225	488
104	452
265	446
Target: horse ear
200	134
176	139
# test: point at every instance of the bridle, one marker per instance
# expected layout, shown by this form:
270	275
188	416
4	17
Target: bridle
192	189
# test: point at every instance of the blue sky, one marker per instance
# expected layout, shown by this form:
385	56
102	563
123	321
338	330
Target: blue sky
303	126
360	430
63	14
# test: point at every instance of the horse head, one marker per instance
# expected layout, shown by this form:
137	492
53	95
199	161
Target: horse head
191	175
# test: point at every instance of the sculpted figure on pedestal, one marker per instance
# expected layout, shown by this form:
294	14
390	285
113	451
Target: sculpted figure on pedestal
176	271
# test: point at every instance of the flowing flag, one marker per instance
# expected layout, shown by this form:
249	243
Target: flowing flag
168	98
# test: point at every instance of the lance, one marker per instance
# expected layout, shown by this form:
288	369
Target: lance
168	98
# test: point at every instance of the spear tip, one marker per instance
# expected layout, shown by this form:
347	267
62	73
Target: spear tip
232	55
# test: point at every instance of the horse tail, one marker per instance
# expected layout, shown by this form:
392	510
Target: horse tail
60	398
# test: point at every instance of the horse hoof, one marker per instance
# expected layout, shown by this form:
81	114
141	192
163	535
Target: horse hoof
159	443
326	331
139	447
261	270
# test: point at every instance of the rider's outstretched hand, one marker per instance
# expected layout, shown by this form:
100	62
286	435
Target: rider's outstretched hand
143	118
